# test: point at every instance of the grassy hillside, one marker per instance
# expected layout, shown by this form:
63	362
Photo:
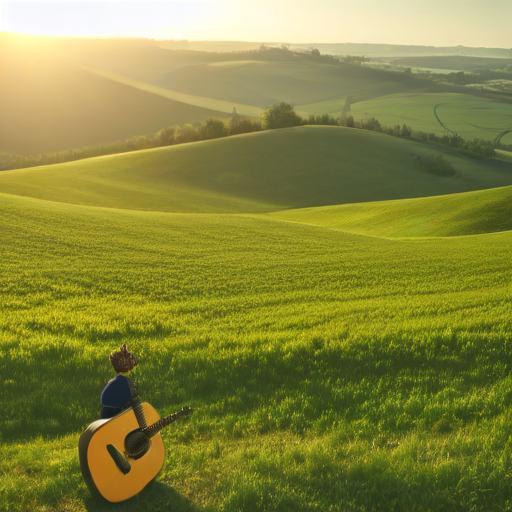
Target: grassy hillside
263	83
470	213
315	359
266	171
504	155
220	106
49	104
468	116
66	93
47	108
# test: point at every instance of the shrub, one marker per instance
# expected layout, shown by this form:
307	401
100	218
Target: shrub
436	165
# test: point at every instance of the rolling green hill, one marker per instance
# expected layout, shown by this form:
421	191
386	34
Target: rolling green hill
50	106
470	213
66	93
468	116
262	83
311	357
49	102
265	171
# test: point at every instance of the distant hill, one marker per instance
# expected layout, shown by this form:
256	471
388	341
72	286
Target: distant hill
262	83
458	62
66	93
260	172
49	104
395	50
470	213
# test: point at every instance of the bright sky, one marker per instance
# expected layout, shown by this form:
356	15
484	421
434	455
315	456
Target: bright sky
486	23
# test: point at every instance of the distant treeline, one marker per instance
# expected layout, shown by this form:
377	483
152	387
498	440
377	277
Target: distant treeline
179	134
280	115
476	148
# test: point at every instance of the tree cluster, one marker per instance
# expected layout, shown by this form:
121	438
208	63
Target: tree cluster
436	165
178	134
279	115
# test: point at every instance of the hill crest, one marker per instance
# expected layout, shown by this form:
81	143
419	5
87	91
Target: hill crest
260	172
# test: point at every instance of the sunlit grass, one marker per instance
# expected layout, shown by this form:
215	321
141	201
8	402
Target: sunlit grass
468	116
328	371
485	211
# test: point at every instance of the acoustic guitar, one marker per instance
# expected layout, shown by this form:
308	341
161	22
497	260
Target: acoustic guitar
119	456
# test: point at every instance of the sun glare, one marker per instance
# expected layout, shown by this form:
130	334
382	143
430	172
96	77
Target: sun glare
328	21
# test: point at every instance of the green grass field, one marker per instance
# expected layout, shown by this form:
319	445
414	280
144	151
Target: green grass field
266	171
470	213
504	155
338	318
468	116
329	371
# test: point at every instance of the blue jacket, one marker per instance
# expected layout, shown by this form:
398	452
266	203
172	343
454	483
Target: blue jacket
115	397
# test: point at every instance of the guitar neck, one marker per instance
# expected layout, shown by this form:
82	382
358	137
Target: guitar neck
164	422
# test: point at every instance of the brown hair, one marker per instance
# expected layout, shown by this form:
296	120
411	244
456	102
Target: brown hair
123	361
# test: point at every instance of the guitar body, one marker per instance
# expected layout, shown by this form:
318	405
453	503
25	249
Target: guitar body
104	468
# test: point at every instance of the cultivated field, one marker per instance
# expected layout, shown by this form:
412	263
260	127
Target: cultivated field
468	116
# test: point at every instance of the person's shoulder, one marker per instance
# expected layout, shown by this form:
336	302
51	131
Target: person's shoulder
123	379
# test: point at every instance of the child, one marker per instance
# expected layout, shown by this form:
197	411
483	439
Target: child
117	395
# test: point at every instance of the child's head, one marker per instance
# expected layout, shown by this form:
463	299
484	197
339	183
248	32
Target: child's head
123	361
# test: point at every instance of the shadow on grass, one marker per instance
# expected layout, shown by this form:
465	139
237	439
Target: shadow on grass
156	497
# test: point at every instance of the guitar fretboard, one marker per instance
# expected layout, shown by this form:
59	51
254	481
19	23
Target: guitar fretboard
162	423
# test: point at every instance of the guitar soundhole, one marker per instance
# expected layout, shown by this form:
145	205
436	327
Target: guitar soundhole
136	444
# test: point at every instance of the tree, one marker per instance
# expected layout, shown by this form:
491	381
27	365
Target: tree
212	129
406	131
455	140
280	115
184	133
165	137
371	124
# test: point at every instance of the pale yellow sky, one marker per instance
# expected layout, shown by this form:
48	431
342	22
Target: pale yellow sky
420	22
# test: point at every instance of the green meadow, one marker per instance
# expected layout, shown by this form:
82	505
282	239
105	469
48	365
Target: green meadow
468	116
259	172
338	316
346	358
469	213
329	371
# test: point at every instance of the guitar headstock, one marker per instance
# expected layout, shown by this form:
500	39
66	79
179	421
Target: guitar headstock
186	411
